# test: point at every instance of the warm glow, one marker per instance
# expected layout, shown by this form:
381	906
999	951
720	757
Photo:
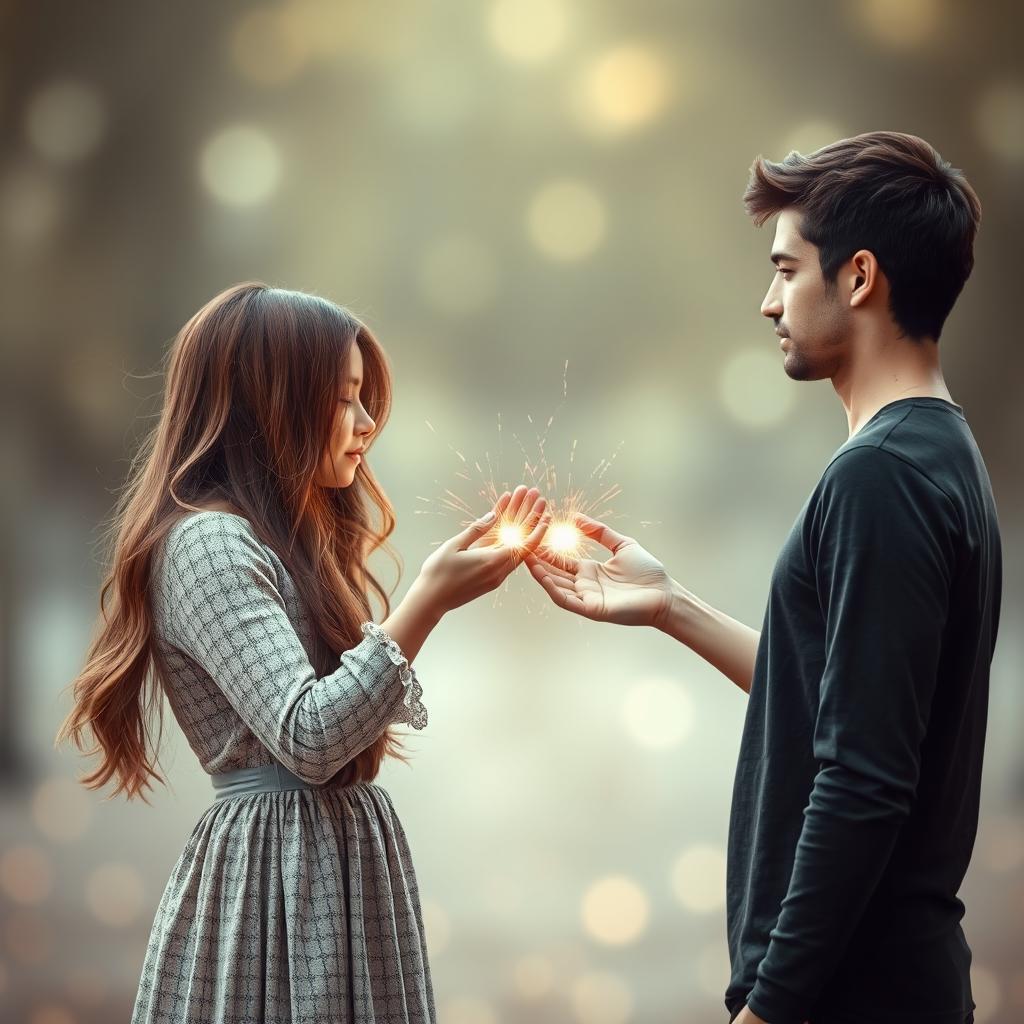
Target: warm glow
624	88
562	537
512	535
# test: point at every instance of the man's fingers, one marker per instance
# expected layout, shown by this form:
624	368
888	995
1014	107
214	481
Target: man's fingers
602	533
542	572
558	590
548	567
561	560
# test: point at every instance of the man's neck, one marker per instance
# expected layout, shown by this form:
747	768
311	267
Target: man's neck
890	369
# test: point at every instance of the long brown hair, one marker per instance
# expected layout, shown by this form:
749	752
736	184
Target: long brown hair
252	383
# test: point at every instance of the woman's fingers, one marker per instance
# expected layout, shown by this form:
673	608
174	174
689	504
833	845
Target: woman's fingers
502	503
536	535
536	518
522	498
489	538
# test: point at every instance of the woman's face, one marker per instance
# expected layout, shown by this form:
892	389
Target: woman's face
352	430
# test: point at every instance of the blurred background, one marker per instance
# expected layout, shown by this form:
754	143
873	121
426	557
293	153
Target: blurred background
535	204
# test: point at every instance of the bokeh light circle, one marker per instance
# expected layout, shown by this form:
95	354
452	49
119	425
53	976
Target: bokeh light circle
622	89
240	166
999	119
268	45
468	1010
657	713
437	926
600	997
61	809
698	879
26	874
615	910
528	30
65	120
114	893
533	976
566	220
987	992
754	388
901	26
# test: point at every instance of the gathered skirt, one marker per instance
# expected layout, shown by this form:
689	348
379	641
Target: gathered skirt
290	907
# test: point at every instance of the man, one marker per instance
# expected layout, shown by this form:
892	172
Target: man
855	803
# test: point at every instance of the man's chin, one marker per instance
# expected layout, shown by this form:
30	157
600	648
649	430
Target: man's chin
797	369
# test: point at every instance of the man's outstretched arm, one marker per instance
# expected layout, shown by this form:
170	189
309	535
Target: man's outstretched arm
632	588
718	638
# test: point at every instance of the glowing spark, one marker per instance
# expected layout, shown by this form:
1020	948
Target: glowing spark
569	488
512	535
564	538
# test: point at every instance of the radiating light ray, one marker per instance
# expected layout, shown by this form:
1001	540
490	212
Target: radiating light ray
533	466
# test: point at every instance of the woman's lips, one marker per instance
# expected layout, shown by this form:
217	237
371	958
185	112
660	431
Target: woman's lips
355	456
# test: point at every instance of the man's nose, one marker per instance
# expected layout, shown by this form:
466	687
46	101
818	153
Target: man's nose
771	307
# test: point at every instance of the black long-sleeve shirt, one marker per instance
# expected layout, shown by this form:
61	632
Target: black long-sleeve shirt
855	805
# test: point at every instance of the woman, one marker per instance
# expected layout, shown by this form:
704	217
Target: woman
240	579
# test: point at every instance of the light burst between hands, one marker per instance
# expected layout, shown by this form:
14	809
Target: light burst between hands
567	496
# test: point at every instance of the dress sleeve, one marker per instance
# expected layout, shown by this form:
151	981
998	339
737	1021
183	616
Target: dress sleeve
883	544
224	611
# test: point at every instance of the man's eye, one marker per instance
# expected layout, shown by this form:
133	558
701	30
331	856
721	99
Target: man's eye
785	270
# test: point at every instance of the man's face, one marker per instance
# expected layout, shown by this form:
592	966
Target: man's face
813	322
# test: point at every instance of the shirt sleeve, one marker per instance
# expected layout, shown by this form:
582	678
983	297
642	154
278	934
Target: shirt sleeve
223	609
882	542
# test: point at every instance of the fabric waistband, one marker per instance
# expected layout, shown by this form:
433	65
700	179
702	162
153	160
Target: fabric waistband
267	778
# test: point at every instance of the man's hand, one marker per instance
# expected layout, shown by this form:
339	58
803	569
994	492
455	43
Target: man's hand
630	588
747	1016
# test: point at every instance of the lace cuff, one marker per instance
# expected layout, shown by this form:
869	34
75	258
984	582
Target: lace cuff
414	711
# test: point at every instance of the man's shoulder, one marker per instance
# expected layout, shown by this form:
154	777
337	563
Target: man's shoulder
873	473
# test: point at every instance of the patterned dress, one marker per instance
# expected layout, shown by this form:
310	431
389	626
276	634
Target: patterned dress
293	906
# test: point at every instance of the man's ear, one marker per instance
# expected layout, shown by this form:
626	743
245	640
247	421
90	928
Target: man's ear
862	274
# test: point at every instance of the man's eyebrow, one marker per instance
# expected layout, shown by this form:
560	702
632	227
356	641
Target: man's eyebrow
776	256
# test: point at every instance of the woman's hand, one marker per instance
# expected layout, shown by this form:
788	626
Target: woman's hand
630	588
475	561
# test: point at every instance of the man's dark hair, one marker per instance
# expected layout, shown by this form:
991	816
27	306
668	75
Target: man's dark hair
889	193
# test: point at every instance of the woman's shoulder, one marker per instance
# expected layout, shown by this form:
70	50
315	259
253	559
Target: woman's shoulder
214	538
211	521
